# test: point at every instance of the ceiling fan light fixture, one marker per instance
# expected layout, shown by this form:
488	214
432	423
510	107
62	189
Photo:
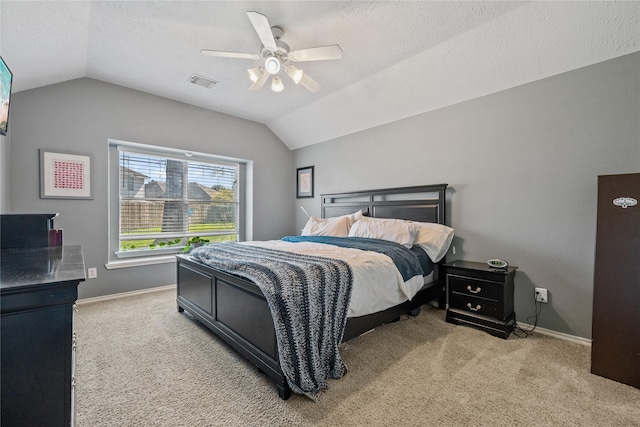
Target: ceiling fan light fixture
255	74
272	65
276	84
276	55
295	73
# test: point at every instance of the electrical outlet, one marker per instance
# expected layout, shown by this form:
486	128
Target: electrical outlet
541	295
92	273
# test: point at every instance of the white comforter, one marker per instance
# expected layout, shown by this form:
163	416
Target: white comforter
377	283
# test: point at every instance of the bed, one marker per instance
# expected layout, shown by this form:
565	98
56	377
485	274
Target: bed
235	309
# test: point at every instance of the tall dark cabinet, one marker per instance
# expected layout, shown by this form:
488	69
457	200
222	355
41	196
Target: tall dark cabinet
38	291
615	350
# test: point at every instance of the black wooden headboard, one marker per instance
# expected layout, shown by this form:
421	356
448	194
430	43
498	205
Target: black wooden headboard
425	203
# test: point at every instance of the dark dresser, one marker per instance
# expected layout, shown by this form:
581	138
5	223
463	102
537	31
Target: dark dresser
481	296
39	288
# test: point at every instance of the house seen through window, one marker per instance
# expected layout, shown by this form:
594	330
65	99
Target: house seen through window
165	202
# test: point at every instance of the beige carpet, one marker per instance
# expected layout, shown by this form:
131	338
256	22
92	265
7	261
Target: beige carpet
141	363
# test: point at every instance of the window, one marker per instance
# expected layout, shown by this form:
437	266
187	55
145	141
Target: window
166	197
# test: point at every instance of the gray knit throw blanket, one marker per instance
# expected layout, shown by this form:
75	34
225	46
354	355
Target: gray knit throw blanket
309	299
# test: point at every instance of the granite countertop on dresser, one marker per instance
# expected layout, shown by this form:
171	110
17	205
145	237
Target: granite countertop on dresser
25	267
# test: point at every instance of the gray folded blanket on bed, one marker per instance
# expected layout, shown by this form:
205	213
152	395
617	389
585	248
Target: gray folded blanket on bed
308	297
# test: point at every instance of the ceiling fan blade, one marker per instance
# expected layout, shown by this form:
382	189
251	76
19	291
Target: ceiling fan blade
260	82
320	53
310	84
262	27
223	54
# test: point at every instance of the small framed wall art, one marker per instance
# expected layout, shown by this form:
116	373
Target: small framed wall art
304	182
65	175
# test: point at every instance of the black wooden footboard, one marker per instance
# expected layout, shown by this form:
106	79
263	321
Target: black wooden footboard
236	311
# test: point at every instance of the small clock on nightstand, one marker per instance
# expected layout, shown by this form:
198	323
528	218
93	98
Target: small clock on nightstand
481	296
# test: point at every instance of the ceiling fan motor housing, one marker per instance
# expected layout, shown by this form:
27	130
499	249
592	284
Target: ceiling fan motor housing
282	49
274	60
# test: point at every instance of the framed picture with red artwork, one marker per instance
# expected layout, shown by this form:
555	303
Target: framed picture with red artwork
65	175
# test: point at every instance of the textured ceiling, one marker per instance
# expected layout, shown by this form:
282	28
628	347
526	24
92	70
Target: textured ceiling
400	58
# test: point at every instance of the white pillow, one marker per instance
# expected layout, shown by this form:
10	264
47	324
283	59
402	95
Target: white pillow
314	224
434	238
385	220
338	226
356	216
397	231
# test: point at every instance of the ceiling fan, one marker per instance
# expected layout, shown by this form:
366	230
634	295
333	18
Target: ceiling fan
277	56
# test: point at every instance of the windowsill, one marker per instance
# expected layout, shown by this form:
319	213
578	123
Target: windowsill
139	262
150	253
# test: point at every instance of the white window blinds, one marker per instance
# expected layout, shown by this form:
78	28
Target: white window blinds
165	200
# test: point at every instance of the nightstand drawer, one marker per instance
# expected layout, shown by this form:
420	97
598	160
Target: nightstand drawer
475	287
485	307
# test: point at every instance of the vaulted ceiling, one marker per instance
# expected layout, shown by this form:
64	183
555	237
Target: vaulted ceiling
400	58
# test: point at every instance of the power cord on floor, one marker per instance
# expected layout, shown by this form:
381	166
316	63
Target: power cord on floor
524	333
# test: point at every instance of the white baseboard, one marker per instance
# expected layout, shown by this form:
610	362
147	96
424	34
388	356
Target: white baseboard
542	331
124	294
556	334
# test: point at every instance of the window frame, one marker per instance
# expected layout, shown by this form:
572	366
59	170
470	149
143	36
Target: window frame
117	258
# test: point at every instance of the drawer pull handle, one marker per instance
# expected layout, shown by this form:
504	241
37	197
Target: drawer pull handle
478	289
476	308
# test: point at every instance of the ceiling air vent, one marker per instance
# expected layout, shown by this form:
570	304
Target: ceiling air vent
202	81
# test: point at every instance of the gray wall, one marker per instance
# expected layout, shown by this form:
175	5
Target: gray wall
522	165
81	115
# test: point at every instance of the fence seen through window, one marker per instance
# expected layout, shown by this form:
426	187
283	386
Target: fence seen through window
165	202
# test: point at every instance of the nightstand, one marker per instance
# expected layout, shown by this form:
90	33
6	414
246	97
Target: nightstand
481	296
